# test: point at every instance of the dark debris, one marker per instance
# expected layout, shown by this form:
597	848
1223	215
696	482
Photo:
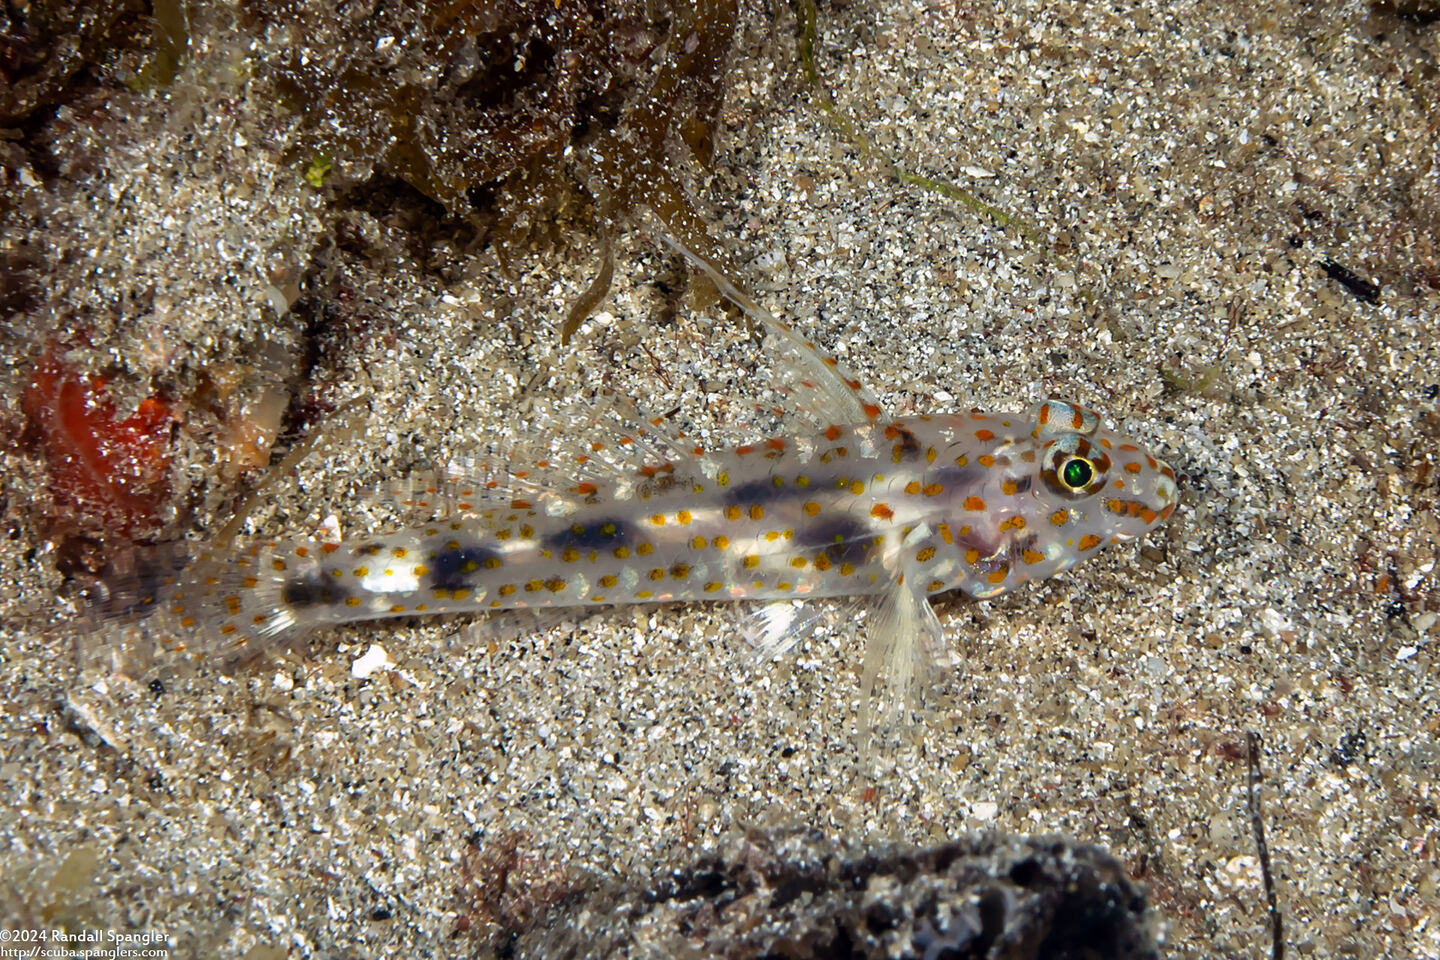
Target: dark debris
1362	289
800	895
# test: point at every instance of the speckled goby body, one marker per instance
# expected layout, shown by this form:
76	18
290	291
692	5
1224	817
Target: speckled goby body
978	502
855	504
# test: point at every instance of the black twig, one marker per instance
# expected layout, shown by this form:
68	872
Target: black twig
1360	288
1257	824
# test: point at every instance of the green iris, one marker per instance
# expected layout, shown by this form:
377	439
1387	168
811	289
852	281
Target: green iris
1077	473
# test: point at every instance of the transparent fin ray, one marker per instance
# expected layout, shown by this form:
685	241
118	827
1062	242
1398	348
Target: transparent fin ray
815	384
776	628
905	644
133	619
599	447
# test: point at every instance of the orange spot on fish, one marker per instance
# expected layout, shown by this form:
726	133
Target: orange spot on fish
882	512
974	503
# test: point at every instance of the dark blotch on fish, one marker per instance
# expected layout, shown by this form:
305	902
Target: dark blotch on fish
455	569
843	540
760	492
596	535
310	591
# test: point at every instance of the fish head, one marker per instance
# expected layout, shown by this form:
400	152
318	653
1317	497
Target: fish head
1091	485
1045	494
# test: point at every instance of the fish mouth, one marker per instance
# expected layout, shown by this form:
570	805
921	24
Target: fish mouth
1166	492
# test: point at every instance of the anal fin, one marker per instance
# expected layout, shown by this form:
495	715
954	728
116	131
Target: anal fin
776	628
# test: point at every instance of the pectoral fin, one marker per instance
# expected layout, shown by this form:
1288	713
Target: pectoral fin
905	643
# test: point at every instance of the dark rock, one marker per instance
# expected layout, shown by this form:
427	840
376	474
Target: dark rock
800	895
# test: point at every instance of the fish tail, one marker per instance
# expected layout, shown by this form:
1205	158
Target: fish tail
181	602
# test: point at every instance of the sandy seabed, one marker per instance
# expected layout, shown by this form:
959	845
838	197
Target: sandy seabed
1189	169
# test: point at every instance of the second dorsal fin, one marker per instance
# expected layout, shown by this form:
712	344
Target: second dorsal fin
599	446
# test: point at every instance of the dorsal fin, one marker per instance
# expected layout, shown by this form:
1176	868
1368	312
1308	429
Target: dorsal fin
815	383
598	446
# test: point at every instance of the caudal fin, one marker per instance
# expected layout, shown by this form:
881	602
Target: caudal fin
178	605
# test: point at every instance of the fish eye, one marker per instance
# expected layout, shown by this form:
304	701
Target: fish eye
1073	468
1077	473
